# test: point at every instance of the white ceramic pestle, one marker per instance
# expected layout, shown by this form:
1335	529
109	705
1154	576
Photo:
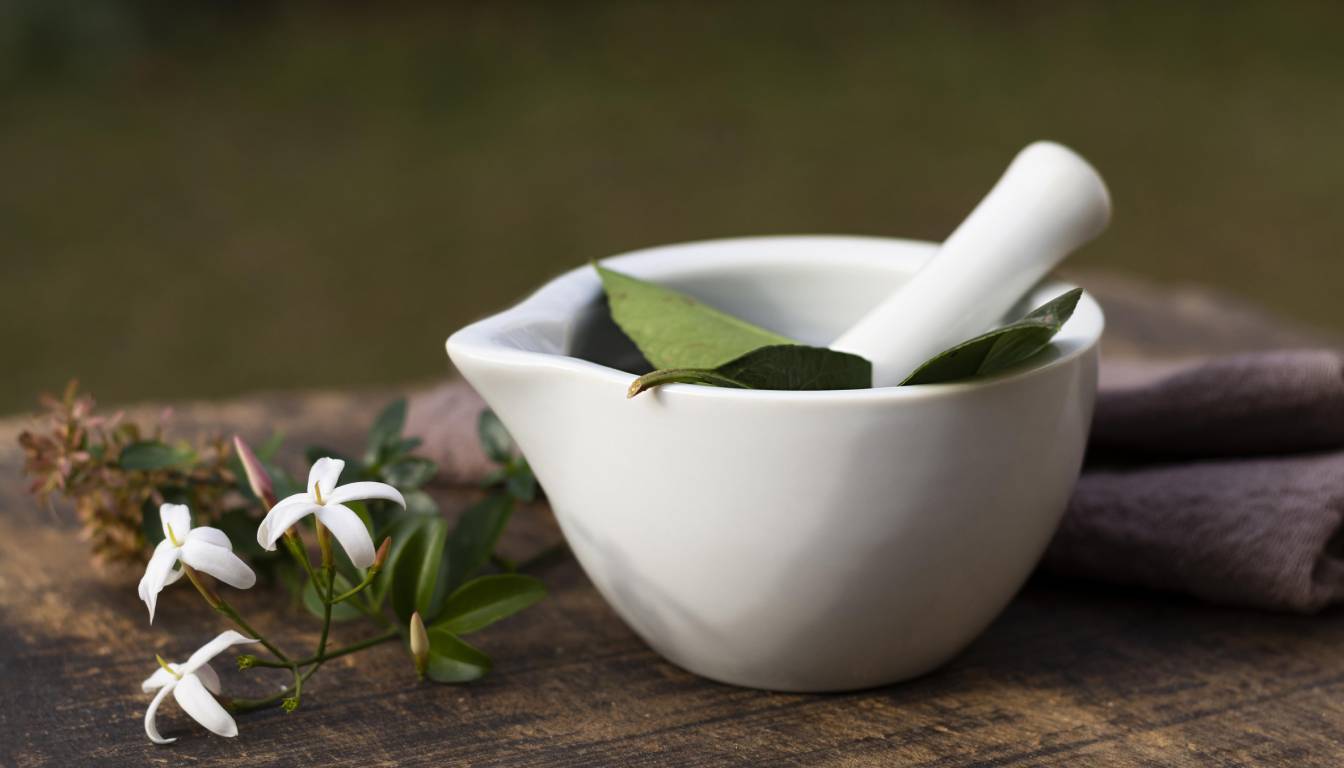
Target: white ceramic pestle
1048	203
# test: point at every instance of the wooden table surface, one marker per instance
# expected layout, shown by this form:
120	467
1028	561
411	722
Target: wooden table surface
1072	674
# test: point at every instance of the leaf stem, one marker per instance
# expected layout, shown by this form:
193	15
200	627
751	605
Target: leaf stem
329	575
247	705
369	576
294	543
222	606
391	634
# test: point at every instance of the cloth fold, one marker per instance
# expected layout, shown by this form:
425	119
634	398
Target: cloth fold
1220	478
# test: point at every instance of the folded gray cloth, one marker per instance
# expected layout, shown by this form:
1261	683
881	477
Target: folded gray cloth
1222	478
1260	532
1215	478
1261	404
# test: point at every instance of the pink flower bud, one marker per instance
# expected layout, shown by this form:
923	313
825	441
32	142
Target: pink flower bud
257	476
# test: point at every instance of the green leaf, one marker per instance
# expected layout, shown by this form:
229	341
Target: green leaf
340	611
406	445
401	530
496	476
282	482
487	599
386	430
520	483
1000	348
266	451
474	537
240	525
673	330
420	574
495	439
786	366
420	503
151	525
453	661
152	454
411	473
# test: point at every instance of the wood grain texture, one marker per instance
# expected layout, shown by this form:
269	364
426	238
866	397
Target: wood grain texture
1072	674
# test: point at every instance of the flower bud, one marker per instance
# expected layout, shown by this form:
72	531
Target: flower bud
419	644
246	661
257	477
381	556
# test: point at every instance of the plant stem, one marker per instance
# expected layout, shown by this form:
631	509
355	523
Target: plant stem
329	574
247	705
369	576
391	634
219	604
294	543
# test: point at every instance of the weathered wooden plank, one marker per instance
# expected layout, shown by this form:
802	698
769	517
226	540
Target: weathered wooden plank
1072	674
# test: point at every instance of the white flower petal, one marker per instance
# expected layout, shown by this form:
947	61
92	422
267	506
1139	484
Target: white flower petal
160	678
210	535
152	729
326	471
282	516
156	574
213	648
209	677
196	701
219	562
179	517
173	576
348	529
364	490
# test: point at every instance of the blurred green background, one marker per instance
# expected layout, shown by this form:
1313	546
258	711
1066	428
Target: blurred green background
199	200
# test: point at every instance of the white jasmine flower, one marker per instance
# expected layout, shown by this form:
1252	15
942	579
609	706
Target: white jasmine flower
192	684
327	500
208	550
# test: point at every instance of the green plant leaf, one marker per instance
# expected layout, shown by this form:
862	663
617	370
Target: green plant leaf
785	366
410	473
673	330
151	525
386	430
400	529
152	454
266	451
496	476
495	439
406	445
340	611
453	661
487	599
420	503
474	537
1000	348
420	574
520	483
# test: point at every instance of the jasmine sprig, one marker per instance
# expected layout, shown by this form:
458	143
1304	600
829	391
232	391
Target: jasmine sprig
427	575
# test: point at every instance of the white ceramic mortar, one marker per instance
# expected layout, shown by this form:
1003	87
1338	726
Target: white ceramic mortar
798	541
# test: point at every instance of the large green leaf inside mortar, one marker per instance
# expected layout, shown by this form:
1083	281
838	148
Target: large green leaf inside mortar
782	366
691	342
1001	348
673	330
